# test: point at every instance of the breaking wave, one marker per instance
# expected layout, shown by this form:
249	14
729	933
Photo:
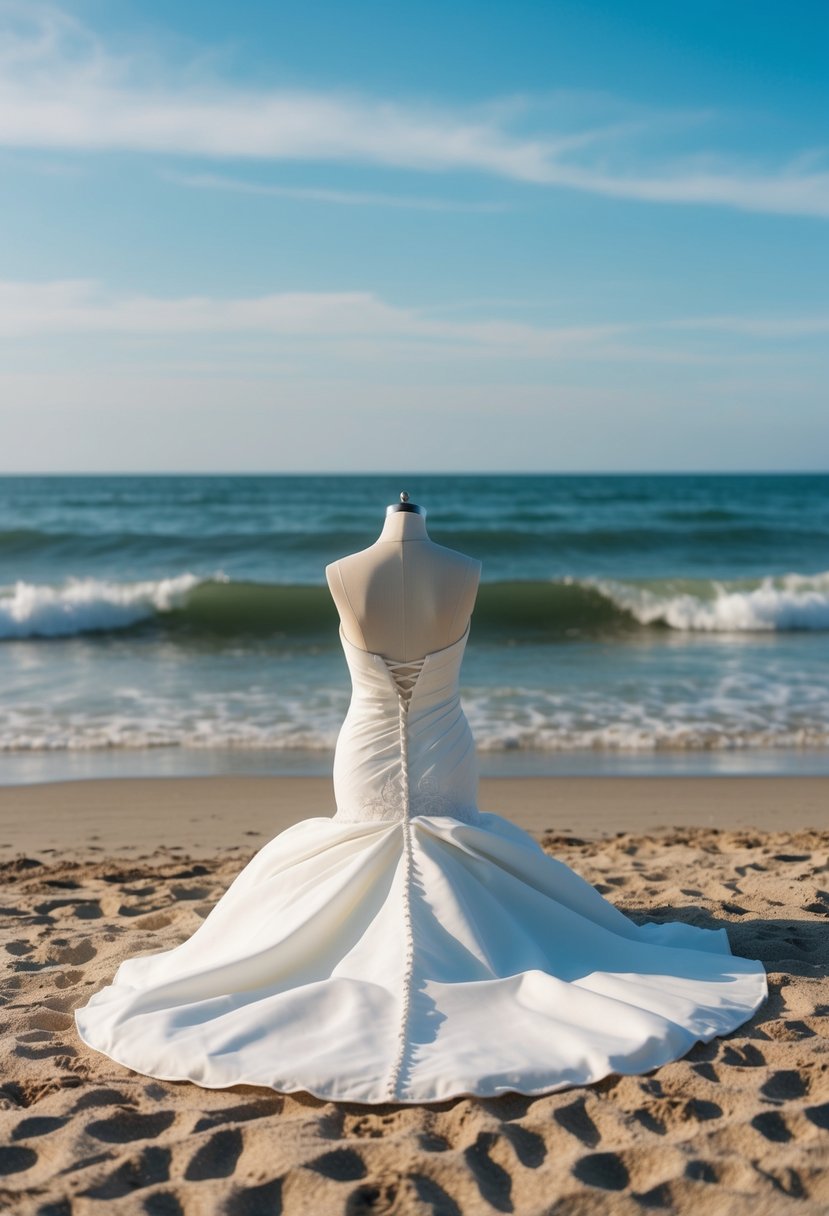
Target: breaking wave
534	609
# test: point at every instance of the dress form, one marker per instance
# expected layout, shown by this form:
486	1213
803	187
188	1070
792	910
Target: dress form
404	596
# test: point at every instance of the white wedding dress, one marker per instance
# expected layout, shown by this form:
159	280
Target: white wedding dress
411	947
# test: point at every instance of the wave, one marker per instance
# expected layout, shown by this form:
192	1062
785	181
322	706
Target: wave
309	731
87	606
787	602
532	610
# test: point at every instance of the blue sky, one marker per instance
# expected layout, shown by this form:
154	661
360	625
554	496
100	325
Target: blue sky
294	237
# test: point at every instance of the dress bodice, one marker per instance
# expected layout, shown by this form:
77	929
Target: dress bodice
405	747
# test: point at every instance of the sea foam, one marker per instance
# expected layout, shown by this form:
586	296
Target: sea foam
87	605
788	602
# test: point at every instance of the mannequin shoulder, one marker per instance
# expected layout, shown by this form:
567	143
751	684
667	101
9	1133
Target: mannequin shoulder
343	564
460	560
352	565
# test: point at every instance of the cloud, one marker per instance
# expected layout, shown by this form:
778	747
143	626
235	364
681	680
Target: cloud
757	327
362	327
62	89
77	306
81	306
348	198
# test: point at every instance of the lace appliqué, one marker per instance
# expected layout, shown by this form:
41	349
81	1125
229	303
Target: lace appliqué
426	798
388	804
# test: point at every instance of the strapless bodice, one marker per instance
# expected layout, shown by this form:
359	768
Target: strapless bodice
405	747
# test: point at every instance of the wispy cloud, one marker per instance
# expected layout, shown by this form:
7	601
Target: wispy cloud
346	198
757	327
61	88
362	325
82	306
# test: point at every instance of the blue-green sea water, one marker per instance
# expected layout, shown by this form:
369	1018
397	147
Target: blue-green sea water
630	623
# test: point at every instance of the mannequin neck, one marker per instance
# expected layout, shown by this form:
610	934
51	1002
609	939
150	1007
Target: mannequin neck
404	525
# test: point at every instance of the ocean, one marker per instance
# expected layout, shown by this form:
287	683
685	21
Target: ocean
625	623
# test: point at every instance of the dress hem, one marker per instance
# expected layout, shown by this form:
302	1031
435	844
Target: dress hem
710	1032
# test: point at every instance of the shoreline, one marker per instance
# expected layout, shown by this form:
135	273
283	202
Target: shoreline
203	814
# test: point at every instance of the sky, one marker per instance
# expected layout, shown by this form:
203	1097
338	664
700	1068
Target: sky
506	236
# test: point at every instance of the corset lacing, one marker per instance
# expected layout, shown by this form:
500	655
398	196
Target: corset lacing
405	676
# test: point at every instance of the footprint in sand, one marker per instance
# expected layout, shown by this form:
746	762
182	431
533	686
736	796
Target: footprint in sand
744	1055
165	1203
217	1158
700	1110
19	947
42	1053
575	1120
180	893
430	1142
707	1071
772	1126
241	1113
38	1125
84	909
430	1192
789	1031
701	1171
83	952
785	1084
50	1019
604	1170
255	1200
154	920
341	1165
14	1158
150	1166
529	1147
65	979
130	1125
492	1180
818	1115
650	1121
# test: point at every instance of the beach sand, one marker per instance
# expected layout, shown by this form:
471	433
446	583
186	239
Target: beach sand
94	872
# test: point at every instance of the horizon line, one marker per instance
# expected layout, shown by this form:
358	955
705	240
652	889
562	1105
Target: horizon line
760	472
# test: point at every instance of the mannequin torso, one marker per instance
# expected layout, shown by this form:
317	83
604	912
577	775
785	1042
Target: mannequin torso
404	596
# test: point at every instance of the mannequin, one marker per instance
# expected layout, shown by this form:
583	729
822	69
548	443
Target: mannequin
404	596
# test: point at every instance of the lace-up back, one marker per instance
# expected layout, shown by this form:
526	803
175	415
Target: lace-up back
405	676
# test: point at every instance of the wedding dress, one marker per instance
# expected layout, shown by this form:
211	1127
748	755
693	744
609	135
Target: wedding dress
412	948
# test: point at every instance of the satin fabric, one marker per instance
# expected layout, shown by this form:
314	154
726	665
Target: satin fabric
413	948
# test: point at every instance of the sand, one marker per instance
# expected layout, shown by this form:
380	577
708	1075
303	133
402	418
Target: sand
94	872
